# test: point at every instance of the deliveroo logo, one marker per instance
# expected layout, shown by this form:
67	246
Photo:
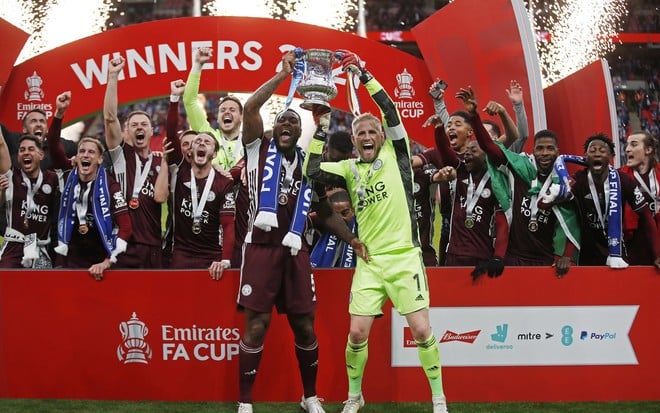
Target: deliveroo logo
500	334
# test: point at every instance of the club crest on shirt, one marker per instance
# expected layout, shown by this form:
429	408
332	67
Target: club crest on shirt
47	189
485	193
211	196
378	163
119	200
639	196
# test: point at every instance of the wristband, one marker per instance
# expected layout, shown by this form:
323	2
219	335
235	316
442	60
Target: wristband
365	76
174	98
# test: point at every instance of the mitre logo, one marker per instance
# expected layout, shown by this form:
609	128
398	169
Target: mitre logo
34	92
134	349
404	88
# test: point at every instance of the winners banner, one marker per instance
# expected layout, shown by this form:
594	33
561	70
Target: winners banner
174	335
247	52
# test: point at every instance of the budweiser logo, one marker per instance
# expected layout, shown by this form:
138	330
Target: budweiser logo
468	337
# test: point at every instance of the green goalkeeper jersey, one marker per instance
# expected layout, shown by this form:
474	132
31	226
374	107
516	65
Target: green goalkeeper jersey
381	191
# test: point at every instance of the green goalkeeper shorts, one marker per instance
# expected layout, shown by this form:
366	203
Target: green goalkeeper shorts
399	275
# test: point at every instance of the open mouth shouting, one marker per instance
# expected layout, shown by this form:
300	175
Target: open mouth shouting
27	161
453	137
597	165
85	165
286	136
368	149
140	136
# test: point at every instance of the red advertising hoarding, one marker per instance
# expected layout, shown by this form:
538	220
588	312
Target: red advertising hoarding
173	335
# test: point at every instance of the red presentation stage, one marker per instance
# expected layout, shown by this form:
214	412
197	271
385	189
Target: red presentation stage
64	335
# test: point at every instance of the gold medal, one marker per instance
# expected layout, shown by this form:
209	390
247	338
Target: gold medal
283	199
196	228
533	226
83	229
469	222
134	203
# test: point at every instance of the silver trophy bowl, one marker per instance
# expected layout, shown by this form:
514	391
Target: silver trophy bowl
317	86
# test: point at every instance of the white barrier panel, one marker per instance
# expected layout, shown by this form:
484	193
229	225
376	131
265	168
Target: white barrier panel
523	336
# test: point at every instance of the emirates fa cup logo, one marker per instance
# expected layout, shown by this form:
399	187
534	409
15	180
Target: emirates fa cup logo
133	348
404	89
34	91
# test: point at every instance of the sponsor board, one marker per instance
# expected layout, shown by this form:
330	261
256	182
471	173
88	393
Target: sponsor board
523	336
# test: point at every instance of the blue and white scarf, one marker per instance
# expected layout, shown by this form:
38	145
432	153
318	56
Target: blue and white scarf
100	209
270	189
614	206
324	252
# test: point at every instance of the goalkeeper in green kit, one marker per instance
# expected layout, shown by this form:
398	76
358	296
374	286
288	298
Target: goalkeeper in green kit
380	184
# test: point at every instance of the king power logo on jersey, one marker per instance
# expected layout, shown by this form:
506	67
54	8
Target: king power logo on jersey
206	344
404	92
34	95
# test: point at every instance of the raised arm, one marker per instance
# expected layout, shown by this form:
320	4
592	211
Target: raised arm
325	172
510	132
197	117
392	121
171	131
494	152
515	94
5	159
437	92
113	136
447	154
161	187
253	125
58	158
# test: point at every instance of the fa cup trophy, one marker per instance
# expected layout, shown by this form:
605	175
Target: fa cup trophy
316	85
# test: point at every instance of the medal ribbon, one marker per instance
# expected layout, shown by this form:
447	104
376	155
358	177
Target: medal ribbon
81	203
473	195
533	203
141	173
361	183
289	168
299	69
352	95
199	204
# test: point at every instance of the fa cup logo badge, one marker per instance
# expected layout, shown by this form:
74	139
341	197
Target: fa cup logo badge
404	89
133	348
34	91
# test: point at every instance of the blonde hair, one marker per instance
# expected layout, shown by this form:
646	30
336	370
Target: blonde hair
95	141
365	117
